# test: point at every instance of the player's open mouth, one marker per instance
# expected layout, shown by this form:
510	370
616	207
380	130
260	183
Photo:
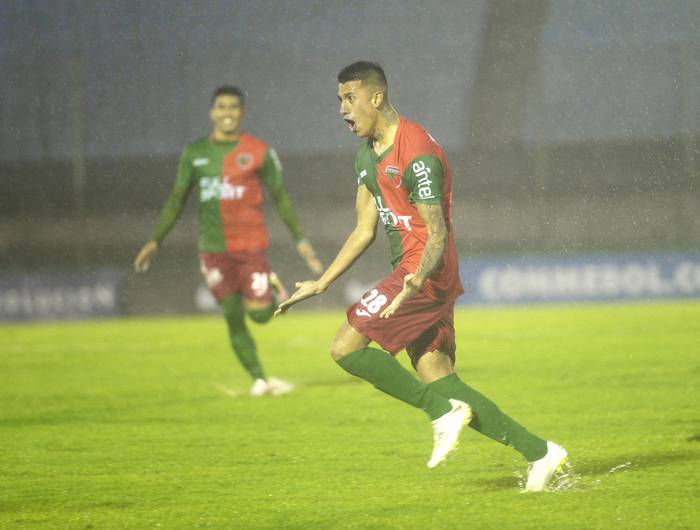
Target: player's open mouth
351	124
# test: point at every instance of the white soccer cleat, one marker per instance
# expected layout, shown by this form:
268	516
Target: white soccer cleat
446	430
259	388
270	387
541	471
278	287
277	387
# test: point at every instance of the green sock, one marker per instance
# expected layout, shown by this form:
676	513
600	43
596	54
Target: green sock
386	374
489	420
241	341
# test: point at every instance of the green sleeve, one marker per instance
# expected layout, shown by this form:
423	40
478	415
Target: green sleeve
185	170
423	179
272	177
177	199
361	157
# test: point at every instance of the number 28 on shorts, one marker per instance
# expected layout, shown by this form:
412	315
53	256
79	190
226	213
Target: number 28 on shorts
372	304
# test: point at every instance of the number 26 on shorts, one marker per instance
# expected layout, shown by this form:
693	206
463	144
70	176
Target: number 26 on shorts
372	303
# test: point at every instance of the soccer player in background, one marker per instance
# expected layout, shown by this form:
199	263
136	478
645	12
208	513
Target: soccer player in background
230	169
404	179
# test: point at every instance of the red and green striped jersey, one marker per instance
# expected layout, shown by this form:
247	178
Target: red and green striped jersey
229	178
413	170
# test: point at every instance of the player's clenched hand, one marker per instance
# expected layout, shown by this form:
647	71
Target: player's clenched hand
307	252
143	259
304	290
411	286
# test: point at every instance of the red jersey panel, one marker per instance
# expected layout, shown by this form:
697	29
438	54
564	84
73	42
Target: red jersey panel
242	196
403	179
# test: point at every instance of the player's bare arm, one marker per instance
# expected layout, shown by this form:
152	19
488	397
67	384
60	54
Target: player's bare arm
307	252
286	211
357	242
168	217
143	258
272	177
434	218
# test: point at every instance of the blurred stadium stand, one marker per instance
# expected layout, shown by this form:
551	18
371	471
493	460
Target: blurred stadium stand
570	126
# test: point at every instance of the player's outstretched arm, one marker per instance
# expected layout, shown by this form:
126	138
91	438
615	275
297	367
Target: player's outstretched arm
272	177
143	258
168	217
434	218
357	242
307	252
286	211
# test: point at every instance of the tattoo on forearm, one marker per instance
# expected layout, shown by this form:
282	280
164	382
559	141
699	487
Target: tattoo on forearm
437	240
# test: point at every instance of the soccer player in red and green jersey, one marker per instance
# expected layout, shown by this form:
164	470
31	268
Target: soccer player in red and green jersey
230	170
404	179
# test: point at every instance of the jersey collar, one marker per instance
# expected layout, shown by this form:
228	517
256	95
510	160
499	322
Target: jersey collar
226	143
376	158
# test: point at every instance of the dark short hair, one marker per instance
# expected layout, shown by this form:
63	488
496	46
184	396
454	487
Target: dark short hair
227	90
365	71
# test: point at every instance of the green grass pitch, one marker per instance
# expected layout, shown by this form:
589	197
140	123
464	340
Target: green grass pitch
124	424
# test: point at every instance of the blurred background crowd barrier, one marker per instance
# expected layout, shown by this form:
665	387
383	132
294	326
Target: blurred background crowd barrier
572	129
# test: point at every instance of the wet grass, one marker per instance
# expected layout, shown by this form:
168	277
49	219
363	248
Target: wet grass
125	424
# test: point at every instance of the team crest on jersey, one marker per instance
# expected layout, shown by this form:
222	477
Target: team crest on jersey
394	173
244	160
199	162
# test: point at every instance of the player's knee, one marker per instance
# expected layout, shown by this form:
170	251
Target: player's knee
339	348
261	315
346	341
259	311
